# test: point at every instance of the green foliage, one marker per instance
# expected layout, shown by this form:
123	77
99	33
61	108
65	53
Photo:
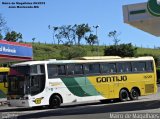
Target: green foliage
46	51
3	26
33	39
9	36
70	34
114	35
43	51
91	39
64	34
81	30
123	50
72	52
149	51
13	36
2	23
1	37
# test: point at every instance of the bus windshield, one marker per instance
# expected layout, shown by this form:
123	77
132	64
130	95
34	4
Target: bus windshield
18	80
26	80
18	85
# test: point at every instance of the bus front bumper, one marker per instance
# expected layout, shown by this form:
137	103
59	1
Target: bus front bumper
18	103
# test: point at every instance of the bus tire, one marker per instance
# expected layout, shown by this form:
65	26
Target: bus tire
134	94
123	95
55	101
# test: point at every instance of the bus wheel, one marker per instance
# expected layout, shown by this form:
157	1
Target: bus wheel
123	95
55	101
134	94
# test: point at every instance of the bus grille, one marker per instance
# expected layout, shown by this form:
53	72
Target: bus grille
149	88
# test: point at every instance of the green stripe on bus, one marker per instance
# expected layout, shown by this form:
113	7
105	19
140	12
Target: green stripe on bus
90	89
80	86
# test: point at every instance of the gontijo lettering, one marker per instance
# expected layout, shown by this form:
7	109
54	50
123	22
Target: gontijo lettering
111	79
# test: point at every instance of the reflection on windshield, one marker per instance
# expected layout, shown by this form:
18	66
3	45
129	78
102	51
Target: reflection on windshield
21	70
26	80
18	85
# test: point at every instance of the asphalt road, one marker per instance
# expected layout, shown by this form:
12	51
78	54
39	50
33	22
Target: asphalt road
93	110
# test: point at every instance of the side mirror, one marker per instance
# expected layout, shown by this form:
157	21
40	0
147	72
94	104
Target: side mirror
5	81
5	84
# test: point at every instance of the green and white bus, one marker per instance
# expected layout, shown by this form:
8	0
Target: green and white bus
53	82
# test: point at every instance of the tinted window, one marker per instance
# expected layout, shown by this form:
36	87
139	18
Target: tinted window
21	70
124	67
3	77
52	70
37	84
78	69
139	66
149	66
92	68
61	70
42	69
70	69
108	68
34	69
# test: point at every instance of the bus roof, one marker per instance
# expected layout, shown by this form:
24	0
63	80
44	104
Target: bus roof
87	60
97	58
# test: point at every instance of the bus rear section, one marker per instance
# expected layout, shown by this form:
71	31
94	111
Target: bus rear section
3	81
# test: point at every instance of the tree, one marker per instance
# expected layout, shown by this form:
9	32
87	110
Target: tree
91	39
81	30
3	27
64	34
123	50
13	36
70	34
114	35
33	39
2	23
54	31
1	37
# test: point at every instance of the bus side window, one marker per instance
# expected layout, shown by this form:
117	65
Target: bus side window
127	67
92	68
120	67
139	66
78	69
112	67
124	67
52	70
70	69
149	65
42	69
61	70
105	68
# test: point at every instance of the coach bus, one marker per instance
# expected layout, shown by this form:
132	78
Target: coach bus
3	81
53	82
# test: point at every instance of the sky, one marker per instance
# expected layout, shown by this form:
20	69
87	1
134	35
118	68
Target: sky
108	14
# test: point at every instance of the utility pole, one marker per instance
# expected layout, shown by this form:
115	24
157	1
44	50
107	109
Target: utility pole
96	27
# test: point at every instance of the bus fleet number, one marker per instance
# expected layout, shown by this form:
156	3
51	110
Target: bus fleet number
148	76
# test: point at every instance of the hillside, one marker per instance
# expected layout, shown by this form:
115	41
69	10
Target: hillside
50	51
